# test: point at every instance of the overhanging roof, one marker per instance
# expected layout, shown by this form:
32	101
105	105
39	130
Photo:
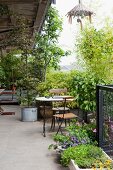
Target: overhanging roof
33	10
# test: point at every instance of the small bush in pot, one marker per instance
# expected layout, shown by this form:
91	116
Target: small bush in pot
27	98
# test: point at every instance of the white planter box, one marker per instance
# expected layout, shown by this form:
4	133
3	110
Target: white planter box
73	166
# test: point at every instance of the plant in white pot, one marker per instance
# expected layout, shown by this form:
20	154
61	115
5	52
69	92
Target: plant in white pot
27	101
86	157
27	80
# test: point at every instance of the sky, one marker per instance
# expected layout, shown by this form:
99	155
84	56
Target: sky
103	8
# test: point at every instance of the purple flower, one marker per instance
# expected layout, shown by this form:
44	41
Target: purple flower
74	144
94	130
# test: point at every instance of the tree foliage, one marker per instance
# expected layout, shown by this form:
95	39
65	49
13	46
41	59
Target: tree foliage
94	47
47	52
83	87
9	69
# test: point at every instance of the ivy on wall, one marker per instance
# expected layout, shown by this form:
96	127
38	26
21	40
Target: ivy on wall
3	10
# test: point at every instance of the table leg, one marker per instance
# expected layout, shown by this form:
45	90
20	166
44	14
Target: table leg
44	122
85	114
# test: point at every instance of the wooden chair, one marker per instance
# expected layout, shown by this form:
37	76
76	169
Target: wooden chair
58	91
58	107
65	116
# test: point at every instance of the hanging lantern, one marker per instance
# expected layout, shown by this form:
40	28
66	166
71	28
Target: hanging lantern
79	11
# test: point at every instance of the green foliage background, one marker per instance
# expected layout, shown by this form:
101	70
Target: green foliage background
95	50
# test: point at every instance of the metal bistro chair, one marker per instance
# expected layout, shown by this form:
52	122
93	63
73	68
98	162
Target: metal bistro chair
65	116
58	107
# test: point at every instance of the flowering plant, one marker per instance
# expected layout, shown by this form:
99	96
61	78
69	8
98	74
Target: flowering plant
87	156
107	164
77	134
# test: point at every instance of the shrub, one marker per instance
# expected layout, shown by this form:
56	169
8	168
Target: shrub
77	134
57	79
84	89
84	155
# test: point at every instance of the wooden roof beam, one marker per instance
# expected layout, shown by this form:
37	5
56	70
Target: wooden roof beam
8	2
41	12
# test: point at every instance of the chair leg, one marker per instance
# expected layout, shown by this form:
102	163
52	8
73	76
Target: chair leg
59	126
68	121
65	123
53	122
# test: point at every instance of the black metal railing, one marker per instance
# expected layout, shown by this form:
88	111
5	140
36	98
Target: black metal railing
104	96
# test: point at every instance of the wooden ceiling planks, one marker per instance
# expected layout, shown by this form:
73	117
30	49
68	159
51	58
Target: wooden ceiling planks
33	10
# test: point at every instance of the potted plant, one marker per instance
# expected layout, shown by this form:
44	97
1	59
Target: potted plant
27	80
78	148
86	157
26	84
27	98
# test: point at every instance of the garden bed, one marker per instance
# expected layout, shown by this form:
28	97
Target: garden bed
74	166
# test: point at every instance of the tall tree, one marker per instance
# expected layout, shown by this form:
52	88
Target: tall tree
47	52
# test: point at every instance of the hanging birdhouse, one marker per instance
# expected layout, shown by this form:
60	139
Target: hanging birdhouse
79	11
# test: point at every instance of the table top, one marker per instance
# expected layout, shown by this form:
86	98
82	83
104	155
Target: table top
54	98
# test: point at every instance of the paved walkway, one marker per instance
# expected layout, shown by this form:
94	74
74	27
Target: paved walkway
22	145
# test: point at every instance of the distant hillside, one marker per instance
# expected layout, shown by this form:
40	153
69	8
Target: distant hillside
67	67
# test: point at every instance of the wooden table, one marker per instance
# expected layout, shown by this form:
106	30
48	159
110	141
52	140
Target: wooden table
50	99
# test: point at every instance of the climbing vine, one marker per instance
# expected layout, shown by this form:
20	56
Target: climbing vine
3	10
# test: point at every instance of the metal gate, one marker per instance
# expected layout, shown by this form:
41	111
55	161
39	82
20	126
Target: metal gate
104	96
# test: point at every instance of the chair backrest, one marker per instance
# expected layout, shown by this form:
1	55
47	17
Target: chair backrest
58	91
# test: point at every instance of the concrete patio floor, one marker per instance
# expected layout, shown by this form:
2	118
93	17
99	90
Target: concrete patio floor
22	145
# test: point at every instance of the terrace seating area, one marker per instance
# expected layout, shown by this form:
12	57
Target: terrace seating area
43	108
22	144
